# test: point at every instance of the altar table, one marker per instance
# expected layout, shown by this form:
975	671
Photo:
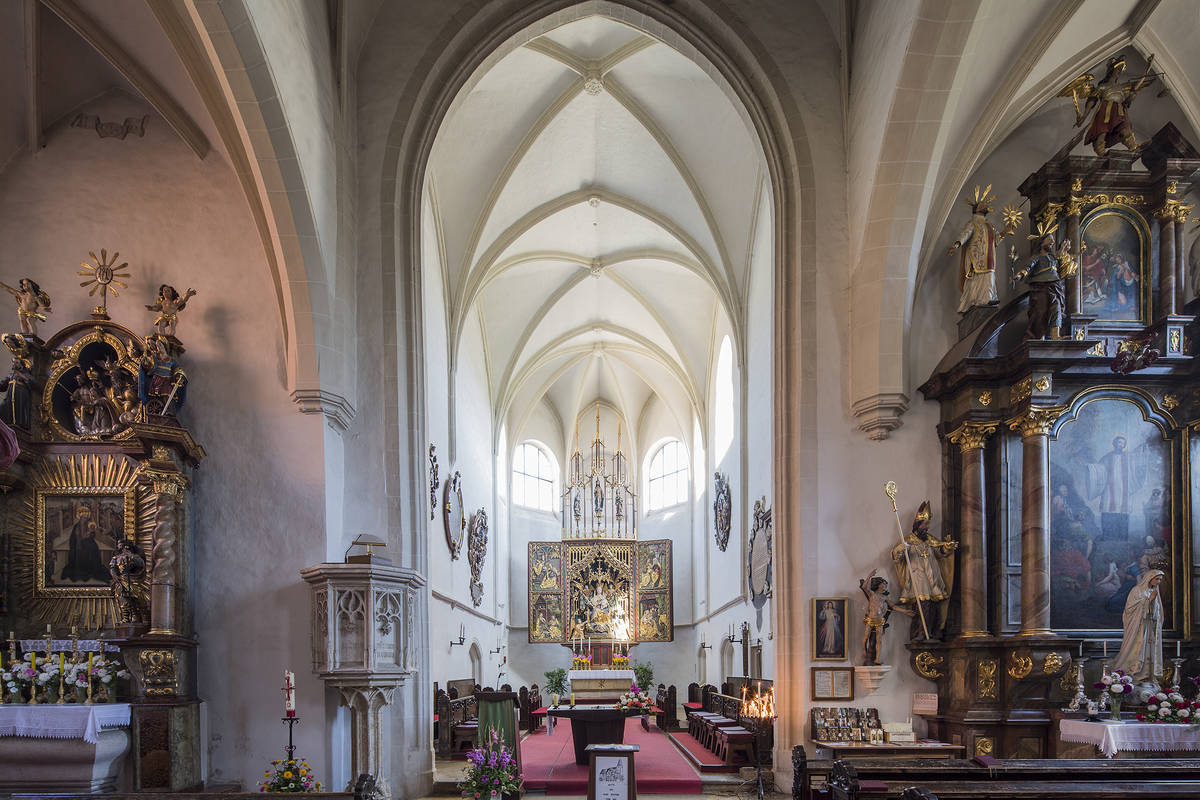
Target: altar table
62	748
1112	737
592	725
595	684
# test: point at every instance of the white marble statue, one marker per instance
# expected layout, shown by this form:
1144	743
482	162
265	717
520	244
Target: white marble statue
1141	646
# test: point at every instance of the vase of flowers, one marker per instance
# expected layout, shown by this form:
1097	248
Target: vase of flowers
491	772
1116	684
289	775
581	661
1170	707
18	678
635	701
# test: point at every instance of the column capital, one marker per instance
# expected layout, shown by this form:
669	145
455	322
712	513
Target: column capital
972	435
1036	420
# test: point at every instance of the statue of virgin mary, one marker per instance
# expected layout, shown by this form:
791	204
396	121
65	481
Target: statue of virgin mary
1141	646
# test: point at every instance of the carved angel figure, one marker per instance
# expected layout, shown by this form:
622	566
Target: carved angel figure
1107	104
30	298
168	304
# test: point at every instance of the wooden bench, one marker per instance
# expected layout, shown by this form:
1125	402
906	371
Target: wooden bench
1046	782
732	742
458	728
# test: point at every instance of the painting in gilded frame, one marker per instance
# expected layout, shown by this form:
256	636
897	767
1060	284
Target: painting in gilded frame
1110	514
545	567
654	618
77	533
654	565
545	617
1114	268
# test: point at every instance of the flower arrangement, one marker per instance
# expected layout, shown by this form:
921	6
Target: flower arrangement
581	661
620	661
18	677
1117	684
289	775
43	676
634	701
1169	707
491	771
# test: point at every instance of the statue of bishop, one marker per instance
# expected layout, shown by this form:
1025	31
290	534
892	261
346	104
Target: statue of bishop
925	566
977	262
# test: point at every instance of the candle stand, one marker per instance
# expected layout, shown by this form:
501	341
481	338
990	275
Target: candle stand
291	722
1176	673
762	781
1080	697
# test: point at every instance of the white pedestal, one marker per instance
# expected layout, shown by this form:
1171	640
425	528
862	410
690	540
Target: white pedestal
868	678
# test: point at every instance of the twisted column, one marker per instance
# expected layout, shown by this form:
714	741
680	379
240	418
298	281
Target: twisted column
165	577
971	437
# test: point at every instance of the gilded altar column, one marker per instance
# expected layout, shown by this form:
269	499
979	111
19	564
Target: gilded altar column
1035	425
1074	283
971	437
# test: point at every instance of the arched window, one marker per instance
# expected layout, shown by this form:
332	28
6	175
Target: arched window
533	477
667	477
476	656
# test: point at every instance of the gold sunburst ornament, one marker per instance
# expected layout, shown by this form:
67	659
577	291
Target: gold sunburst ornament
103	277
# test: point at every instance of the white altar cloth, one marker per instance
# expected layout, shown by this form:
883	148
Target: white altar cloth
1112	737
68	721
600	674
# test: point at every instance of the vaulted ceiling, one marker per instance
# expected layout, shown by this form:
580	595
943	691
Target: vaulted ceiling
598	198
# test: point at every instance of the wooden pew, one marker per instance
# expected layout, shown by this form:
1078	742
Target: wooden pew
364	789
1047	782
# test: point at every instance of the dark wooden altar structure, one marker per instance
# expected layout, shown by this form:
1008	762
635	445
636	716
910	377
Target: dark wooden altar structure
1064	479
105	469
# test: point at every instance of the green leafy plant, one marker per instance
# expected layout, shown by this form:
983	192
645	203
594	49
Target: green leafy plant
556	681
643	673
290	775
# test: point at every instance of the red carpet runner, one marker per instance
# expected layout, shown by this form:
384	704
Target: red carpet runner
549	762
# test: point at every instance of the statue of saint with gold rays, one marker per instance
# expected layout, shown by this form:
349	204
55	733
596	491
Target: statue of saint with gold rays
977	264
103	277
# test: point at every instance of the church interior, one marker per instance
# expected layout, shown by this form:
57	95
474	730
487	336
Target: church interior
594	398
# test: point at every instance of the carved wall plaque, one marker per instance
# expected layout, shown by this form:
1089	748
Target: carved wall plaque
722	509
453	518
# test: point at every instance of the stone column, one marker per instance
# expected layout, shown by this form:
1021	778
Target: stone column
1180	259
366	703
1166	258
1035	425
971	437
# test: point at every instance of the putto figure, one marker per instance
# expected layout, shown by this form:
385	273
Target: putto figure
30	299
926	569
1107	104
977	264
168	304
875	589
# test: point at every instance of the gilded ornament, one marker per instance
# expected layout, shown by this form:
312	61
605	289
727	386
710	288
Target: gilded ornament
1098	349
1053	663
987	678
102	277
1077	186
972	435
984	746
1043	384
1175	340
926	663
1170	401
1049	214
985	399
1080	334
158	671
1069	680
1019	667
1021	389
1037	421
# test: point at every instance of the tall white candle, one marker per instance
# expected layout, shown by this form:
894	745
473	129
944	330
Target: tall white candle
1177	648
1106	648
289	693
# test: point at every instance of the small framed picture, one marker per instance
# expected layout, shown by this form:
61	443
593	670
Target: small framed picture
833	683
829	628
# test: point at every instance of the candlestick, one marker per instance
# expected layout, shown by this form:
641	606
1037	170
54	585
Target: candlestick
1177	671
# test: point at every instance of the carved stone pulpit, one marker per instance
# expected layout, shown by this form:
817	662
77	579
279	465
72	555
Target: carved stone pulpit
363	629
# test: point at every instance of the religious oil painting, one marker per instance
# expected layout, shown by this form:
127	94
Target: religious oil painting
654	621
1110	514
546	618
77	535
829	628
654	565
545	567
1114	266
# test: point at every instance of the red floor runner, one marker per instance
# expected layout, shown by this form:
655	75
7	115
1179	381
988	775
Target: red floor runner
549	762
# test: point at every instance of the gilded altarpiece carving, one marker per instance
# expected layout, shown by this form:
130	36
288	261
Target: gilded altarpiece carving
1088	479
602	589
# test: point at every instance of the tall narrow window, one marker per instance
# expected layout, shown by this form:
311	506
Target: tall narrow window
667	482
533	477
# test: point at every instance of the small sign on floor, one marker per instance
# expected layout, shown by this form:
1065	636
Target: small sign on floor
610	772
